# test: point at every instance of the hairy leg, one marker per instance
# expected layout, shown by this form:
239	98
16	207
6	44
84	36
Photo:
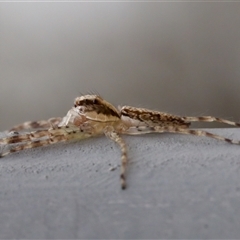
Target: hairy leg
36	124
116	138
40	138
211	119
157	129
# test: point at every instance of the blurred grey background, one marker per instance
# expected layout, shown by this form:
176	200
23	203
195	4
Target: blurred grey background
180	57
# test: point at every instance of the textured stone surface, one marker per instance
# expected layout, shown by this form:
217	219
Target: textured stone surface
178	187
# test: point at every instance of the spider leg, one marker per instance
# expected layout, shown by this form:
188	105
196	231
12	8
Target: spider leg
171	129
42	138
200	133
34	144
116	138
36	124
211	119
19	138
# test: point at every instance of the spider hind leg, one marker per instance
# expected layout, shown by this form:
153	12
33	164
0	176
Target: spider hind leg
211	119
196	133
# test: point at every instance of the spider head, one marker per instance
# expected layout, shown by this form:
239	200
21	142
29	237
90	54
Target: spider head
96	109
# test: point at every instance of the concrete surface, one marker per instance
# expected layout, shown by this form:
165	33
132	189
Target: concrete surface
178	187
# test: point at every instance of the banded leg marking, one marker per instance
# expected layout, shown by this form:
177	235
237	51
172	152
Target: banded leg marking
156	129
196	133
36	124
117	139
47	137
211	119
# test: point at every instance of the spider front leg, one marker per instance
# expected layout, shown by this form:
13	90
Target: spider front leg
16	137
42	138
33	144
116	138
36	124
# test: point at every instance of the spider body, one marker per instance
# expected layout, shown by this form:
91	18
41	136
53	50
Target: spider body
92	116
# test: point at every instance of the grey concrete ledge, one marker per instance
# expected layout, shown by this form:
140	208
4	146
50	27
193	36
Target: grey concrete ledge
178	187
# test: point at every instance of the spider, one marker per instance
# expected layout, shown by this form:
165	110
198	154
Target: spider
92	116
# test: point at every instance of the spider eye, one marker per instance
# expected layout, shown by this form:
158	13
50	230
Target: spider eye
75	105
81	109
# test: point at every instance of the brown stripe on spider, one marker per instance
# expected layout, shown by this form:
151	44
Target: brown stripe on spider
14	139
153	117
96	104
